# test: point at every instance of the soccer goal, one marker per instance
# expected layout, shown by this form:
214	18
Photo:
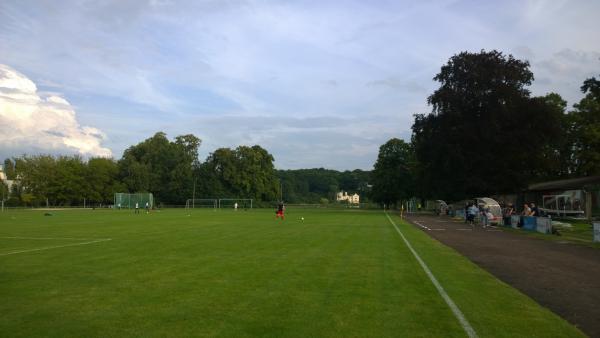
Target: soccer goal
126	200
193	203
229	203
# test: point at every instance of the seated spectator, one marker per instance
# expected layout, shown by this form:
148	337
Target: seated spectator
510	210
526	210
534	210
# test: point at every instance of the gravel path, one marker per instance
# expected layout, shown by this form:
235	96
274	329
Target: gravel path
563	277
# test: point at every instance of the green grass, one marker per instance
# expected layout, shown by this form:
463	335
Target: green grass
575	232
241	274
578	231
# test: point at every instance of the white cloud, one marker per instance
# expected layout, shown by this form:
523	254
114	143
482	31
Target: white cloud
30	120
270	71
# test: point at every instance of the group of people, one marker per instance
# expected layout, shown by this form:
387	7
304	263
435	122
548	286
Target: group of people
471	212
529	209
137	208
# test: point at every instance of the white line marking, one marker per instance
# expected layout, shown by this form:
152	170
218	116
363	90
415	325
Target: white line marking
54	247
457	313
421	225
47	238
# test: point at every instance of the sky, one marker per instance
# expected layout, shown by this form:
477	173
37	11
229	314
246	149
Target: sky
316	83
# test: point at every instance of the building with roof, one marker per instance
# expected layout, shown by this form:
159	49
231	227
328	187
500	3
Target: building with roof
343	196
575	197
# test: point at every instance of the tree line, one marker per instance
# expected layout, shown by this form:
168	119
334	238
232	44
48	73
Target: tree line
321	185
486	134
173	173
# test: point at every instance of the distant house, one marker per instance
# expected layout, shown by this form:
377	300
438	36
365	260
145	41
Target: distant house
3	179
343	196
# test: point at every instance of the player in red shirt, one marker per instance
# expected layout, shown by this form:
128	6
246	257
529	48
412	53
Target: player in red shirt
280	210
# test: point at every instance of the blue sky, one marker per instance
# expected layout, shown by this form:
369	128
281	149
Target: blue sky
316	83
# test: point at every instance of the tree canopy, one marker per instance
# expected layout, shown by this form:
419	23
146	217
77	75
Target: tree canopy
393	173
64	180
485	133
162	167
244	172
584	131
171	170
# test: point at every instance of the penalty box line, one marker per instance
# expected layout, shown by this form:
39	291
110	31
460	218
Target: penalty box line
455	310
55	247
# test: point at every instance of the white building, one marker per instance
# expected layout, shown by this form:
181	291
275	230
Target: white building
3	179
343	196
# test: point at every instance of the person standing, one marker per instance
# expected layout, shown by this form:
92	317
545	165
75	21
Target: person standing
473	210
147	208
488	217
235	206
137	208
508	212
280	210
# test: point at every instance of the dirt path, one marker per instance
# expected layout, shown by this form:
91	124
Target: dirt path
562	277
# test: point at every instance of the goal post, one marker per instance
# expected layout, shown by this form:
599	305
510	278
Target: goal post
193	203
128	200
243	203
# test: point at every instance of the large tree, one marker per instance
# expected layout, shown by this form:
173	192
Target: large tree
485	133
244	172
37	176
584	132
102	180
162	167
393	173
9	169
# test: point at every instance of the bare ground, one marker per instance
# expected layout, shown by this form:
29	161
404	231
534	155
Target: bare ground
561	276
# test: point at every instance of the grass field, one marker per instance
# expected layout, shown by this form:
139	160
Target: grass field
576	232
238	274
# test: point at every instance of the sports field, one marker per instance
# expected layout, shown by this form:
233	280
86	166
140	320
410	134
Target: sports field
222	273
